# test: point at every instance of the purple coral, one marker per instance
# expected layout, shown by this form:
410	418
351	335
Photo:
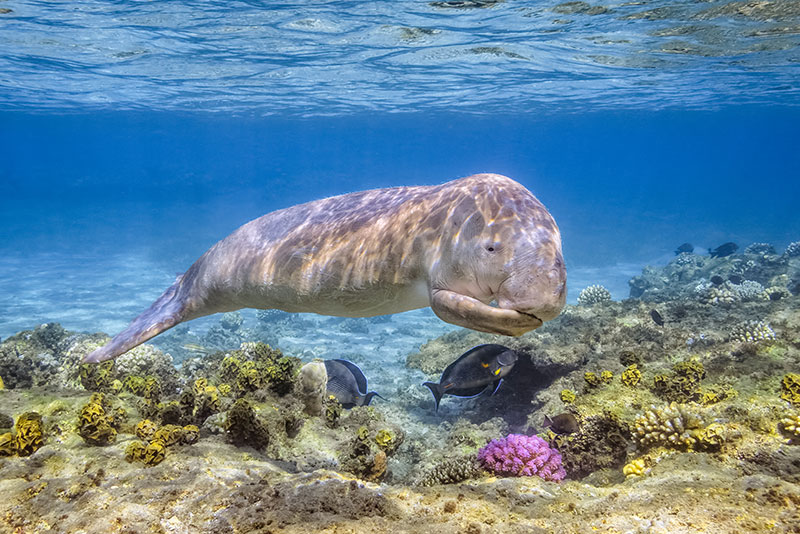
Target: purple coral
522	456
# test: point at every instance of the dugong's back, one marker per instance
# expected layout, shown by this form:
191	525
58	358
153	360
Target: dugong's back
352	255
361	254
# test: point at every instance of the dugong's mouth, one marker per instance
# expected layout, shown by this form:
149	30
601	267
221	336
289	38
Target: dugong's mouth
529	315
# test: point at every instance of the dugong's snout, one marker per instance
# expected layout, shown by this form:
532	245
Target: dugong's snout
540	293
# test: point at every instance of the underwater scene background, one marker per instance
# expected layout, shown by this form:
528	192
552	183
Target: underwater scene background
135	135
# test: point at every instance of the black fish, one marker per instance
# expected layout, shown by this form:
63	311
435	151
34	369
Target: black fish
717	280
657	317
473	371
736	279
564	423
686	247
726	249
347	383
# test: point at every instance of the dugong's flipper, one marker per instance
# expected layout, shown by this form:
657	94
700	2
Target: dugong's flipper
167	311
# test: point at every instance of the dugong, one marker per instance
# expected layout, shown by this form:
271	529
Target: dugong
481	251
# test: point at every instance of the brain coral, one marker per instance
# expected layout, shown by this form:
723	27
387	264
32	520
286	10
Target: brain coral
520	455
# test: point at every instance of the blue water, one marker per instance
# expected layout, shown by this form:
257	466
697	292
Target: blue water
134	135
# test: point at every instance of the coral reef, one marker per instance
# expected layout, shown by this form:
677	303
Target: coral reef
790	388
567	396
792	250
631	376
600	443
243	427
95	426
637	467
29	433
752	332
313	380
145	429
451	471
520	455
593	295
683	385
8	445
760	249
676	426
257	365
791	425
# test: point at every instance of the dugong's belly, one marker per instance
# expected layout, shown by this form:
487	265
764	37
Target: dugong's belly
364	301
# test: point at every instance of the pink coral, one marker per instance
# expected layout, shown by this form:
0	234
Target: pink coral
522	456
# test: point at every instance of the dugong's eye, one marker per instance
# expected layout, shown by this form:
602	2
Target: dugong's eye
490	248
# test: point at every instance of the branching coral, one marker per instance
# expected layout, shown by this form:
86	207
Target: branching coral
520	455
676	426
752	332
593	295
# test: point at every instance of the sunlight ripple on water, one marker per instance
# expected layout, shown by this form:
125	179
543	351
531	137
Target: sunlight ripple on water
338	57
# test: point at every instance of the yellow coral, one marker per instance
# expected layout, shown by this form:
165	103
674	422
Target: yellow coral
190	434
631	376
224	389
2	385
168	435
200	385
29	433
8	445
791	424
134	384
384	438
592	380
711	436
94	425
145	429
790	388
135	452
637	468
606	377
567	396
154	453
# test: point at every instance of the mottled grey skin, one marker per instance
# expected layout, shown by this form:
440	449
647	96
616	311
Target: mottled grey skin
456	247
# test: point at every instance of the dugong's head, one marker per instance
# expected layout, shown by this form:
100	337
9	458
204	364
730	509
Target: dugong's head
506	251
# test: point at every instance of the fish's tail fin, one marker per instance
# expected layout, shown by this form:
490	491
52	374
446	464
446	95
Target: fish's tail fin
436	389
167	311
547	422
368	398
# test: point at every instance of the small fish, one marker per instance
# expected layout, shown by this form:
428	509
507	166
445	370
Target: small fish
564	423
199	349
686	247
726	249
657	317
717	280
473	371
736	279
348	384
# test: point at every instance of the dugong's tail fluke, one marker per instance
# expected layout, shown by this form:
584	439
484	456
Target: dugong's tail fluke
167	311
